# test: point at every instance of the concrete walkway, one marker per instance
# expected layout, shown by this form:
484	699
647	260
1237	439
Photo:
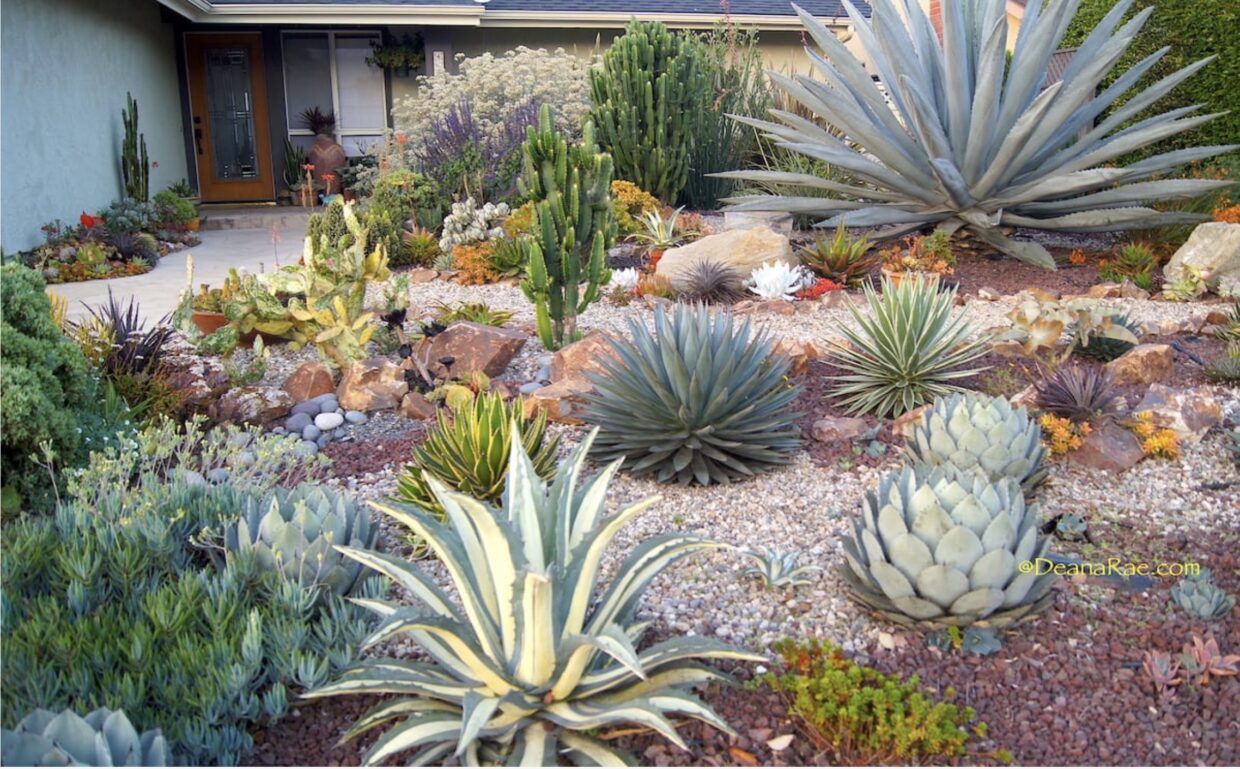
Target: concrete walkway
157	291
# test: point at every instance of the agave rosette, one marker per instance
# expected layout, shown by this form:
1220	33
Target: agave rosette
102	737
958	138
528	663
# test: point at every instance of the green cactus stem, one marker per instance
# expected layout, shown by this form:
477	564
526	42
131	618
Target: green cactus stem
135	165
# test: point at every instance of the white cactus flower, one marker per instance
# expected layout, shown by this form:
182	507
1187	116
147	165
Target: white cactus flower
778	280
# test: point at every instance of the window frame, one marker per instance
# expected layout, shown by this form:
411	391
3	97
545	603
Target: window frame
339	132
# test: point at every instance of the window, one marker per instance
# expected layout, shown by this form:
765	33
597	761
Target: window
328	70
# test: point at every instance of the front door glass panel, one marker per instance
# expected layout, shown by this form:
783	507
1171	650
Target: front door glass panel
230	106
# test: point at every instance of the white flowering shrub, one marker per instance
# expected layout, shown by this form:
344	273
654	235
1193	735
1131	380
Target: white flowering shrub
494	86
470	224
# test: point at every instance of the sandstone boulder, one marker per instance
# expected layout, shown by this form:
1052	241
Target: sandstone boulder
1143	364
374	384
830	429
310	380
416	406
251	405
473	347
1214	247
1108	447
582	356
742	250
1190	413
777	221
799	352
562	400
904	424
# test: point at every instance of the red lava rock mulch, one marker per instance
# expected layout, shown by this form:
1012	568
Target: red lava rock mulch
1011	276
354	458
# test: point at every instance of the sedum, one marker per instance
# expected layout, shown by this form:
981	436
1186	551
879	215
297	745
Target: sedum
943	546
956	138
531	659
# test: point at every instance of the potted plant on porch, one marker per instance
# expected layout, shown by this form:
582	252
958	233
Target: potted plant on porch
400	57
326	153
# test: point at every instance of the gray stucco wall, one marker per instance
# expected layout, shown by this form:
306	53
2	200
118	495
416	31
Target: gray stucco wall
67	65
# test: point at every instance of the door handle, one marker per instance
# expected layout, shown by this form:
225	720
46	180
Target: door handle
198	139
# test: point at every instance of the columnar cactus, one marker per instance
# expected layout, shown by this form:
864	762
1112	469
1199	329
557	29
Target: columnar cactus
573	227
135	165
645	102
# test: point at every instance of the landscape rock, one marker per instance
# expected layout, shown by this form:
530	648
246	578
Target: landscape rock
585	355
422	275
1026	398
1008	348
1190	413
742	250
1104	291
311	432
474	347
798	351
298	421
310	380
1108	447
988	294
199	380
416	406
1214	247
904	424
777	221
356	417
328	421
251	405
309	409
768	306
1143	364
562	400
371	385
838	428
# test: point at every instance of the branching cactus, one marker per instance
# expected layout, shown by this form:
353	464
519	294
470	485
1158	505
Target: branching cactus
646	98
135	165
573	227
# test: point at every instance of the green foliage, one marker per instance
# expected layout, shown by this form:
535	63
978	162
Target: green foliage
1193	30
121	611
778	568
45	388
1104	348
102	738
1133	262
135	165
469	452
293	533
861	716
906	351
408	195
1197	595
295	159
129	215
174	209
630	204
570	188
535	659
699	400
940	546
733	66
981	434
1080	393
957	140
842	259
329	226
474	312
646	94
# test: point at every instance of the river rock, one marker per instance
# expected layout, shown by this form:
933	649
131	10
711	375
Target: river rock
328	421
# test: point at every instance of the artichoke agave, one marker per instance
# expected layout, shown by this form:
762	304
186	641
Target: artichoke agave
943	546
295	532
976	432
907	351
534	658
697	400
103	738
1200	597
469	451
958	138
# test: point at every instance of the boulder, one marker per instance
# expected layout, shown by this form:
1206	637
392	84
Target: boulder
1143	364
777	221
251	405
585	355
1190	413
1214	248
987	294
1026	398
373	384
838	428
1008	348
904	424
473	347
799	352
1108	447
422	275
742	250
562	400
416	406
310	380
198	379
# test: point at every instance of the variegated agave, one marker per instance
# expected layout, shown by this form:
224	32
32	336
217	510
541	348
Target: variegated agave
528	664
960	139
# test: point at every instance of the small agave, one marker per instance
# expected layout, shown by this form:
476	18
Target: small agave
102	738
778	568
778	280
1200	597
625	279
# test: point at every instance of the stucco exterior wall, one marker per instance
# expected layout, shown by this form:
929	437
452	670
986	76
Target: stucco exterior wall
66	66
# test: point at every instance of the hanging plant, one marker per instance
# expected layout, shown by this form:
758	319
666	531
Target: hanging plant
406	55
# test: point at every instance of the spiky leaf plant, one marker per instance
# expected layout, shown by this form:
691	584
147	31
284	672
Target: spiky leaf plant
1079	393
976	432
906	351
712	282
958	138
842	259
699	400
1106	348
102	738
534	658
943	546
468	450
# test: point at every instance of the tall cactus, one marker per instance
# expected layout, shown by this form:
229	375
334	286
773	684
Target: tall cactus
646	95
573	227
135	165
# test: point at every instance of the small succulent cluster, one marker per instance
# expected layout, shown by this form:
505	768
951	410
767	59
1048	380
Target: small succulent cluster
697	401
1201	598
469	223
778	568
1159	442
778	280
101	738
712	282
1198	662
1062	435
840	259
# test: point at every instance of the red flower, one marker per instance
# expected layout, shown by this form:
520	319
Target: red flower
328	177
308	167
819	287
90	222
402	138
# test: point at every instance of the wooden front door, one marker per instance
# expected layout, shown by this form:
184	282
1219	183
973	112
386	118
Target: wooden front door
228	101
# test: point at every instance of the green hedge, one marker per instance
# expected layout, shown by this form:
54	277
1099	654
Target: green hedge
1194	29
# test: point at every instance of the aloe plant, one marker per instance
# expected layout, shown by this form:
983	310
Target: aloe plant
960	139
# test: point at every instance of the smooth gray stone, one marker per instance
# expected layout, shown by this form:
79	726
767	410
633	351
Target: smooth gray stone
328	421
309	408
298	422
311	433
355	417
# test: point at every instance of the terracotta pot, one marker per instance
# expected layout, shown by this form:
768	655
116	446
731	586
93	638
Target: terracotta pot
350	195
327	155
210	322
193	224
655	255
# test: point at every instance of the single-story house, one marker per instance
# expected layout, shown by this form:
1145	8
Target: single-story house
220	83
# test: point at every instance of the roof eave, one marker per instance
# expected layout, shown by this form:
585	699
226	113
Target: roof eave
594	19
319	13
